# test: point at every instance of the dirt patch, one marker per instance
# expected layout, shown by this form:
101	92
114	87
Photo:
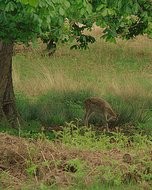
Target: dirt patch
48	162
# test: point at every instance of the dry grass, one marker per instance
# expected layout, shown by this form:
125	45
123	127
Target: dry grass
122	69
31	163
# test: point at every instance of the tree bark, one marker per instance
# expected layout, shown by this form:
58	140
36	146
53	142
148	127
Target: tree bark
8	111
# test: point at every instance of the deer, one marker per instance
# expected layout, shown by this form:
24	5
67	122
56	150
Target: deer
100	106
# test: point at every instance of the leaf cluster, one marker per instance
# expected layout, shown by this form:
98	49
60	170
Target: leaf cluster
25	20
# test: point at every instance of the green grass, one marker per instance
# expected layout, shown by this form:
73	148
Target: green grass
108	187
76	159
57	86
54	107
92	187
57	107
50	92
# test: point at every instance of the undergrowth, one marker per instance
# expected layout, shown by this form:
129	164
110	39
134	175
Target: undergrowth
76	159
55	108
87	138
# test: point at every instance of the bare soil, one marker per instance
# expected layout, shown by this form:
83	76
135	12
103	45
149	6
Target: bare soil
43	161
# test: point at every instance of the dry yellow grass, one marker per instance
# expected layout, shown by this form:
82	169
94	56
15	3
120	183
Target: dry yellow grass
121	69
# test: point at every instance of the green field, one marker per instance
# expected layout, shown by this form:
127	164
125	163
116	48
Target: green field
50	92
52	89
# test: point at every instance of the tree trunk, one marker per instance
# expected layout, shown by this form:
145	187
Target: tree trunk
8	110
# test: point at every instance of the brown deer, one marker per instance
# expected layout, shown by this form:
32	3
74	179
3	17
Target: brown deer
98	106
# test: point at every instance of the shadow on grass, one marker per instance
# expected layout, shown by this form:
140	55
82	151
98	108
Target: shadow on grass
57	107
53	108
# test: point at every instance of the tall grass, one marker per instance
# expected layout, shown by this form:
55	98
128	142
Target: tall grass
105	67
57	107
54	107
55	87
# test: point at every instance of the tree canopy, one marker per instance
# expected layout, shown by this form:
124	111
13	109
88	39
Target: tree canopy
25	20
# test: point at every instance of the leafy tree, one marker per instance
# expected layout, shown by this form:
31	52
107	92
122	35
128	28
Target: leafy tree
22	21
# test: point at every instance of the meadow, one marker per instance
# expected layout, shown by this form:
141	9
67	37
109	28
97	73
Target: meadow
50	92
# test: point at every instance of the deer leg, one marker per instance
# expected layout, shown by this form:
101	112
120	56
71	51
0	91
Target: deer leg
90	114
86	117
106	121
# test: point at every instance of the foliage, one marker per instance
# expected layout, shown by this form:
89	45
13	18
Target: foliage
22	20
124	18
25	20
86	138
76	159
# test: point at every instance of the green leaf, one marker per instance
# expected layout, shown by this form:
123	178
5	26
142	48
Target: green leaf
67	4
33	3
100	7
10	7
136	7
89	9
82	11
104	12
61	11
24	1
